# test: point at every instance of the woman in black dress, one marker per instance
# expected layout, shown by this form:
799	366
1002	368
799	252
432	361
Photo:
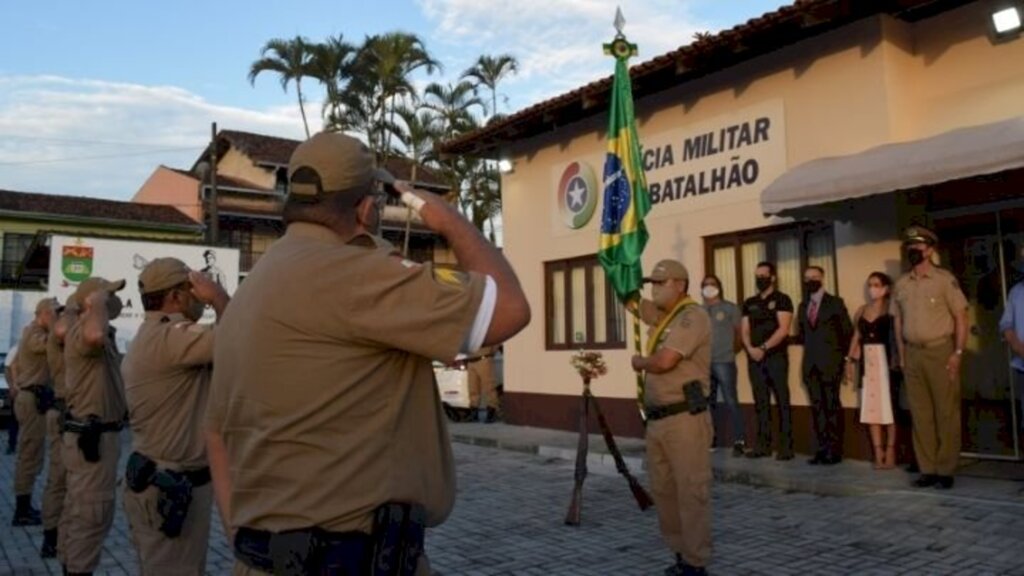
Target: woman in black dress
873	348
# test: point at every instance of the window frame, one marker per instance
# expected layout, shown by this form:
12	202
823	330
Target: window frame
589	263
770	236
9	267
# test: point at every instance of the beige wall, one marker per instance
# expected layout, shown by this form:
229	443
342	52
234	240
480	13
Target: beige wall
167	187
873	82
238	165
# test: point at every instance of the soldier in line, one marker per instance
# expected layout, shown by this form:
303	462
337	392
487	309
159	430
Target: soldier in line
677	371
931	320
30	406
325	432
482	383
56	475
167	497
95	416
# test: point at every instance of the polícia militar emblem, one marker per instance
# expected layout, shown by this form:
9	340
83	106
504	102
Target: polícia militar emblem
577	194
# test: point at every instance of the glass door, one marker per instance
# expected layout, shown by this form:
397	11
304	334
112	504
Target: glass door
981	249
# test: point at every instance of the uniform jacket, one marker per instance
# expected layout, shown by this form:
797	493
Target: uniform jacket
827	341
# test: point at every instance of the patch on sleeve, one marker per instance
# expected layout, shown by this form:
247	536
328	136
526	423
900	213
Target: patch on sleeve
450	277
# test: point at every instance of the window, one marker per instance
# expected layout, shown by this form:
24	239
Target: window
733	258
581	310
15	248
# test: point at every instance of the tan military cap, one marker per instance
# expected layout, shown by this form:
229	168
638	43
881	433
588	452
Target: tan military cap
919	234
161	274
332	162
90	285
668	270
46	303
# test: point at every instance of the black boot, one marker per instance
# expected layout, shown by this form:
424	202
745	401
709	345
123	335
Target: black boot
492	416
49	549
24	513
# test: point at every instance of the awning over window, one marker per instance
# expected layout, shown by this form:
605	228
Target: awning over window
957	154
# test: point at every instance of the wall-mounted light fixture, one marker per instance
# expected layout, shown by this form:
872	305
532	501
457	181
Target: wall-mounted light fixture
1004	21
505	166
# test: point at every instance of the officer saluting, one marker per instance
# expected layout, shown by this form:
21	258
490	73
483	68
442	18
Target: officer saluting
931	321
679	428
326	436
168	498
56	475
96	413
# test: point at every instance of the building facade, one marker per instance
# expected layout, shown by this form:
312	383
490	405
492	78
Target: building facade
811	135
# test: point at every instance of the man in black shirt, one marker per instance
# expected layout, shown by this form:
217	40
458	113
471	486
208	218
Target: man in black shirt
765	328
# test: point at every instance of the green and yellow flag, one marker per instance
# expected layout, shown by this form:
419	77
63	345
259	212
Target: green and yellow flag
626	202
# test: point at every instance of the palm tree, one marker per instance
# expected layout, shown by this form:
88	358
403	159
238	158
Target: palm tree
331	63
488	71
290	59
453	104
384	68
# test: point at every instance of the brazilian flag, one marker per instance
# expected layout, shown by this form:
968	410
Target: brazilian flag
626	202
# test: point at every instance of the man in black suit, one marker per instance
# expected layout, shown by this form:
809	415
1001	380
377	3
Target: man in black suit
824	329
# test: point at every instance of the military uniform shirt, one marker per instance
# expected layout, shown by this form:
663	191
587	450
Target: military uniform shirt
324	390
93	377
166	383
927	305
689	334
32	368
763	317
725	317
55	362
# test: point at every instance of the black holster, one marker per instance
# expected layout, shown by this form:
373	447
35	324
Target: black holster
44	398
174	490
89	433
696	401
398	532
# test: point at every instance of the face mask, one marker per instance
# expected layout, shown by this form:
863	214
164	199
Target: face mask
709	292
763	283
876	292
915	257
114	307
812	286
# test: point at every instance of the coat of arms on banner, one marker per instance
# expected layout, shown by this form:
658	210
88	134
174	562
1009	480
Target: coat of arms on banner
76	262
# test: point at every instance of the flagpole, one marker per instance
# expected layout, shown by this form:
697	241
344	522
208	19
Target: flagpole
639	375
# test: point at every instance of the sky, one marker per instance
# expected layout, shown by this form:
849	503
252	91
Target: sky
94	96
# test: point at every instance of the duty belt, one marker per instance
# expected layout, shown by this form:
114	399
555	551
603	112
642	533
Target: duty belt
79	427
304	551
659	412
175	489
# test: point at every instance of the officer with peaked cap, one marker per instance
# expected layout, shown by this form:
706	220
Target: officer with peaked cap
166	380
30	406
96	414
931	322
326	437
677	382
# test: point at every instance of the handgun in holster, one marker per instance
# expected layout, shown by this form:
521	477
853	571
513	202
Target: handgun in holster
89	434
174	500
696	401
398	532
44	398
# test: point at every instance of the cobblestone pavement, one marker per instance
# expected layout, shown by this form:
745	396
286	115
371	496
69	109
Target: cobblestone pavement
510	508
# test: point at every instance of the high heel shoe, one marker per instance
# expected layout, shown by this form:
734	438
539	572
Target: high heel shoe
890	457
879	462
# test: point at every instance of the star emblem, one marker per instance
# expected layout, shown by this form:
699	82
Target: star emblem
577	194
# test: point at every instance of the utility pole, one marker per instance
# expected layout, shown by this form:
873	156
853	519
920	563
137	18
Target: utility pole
214	228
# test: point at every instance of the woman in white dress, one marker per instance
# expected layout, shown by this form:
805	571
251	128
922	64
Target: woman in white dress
873	351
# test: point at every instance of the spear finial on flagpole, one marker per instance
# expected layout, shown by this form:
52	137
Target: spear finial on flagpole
620	22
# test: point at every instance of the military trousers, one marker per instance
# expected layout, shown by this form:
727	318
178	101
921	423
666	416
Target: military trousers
934	397
89	503
56	476
679	468
482	384
184	555
31	443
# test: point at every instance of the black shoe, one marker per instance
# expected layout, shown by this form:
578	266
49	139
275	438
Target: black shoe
943	482
819	458
27	519
758	453
10	450
831	460
492	416
912	468
784	455
738	449
694	571
49	548
925	481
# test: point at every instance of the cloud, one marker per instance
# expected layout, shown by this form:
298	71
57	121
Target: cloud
558	44
96	138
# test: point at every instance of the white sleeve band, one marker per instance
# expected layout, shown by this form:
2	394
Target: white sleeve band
413	201
483	318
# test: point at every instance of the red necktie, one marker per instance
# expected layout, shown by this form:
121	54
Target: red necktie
812	314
